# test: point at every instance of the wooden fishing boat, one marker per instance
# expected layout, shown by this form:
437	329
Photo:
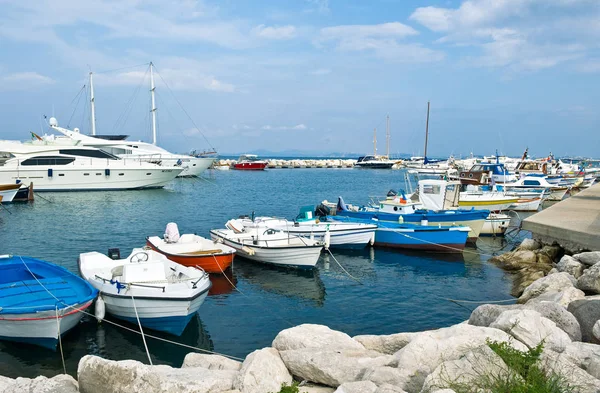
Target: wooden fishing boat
8	191
39	300
195	251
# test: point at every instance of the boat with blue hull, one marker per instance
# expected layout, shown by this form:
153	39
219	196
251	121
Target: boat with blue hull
402	210
450	239
40	301
164	295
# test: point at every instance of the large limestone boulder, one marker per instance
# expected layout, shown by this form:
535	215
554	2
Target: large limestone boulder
588	258
357	387
570	265
564	297
387	375
587	313
210	362
530	328
469	370
97	375
262	371
552	362
553	252
590	280
524	278
530	244
558	314
515	260
428	350
387	388
314	336
586	356
553	283
486	314
389	344
333	367
596	330
58	384
310	388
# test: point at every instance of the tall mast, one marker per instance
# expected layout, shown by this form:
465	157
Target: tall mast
426	131
153	110
374	141
92	105
387	126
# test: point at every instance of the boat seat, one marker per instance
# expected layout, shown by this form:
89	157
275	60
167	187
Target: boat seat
117	271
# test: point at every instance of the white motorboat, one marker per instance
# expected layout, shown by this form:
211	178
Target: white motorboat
269	245
485	200
8	191
164	295
540	184
495	225
59	167
333	233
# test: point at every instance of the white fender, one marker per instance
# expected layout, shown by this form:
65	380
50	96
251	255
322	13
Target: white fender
372	240
100	311
327	238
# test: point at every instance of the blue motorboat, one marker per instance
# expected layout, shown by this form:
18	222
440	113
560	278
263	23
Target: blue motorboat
448	239
402	210
39	300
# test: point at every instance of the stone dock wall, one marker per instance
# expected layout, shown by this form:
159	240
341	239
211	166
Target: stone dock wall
560	306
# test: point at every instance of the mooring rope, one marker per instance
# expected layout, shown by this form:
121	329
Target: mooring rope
141	330
62	355
345	271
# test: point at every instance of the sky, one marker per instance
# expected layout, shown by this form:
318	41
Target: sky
310	75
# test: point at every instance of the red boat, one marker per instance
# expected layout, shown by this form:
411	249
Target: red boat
195	251
250	162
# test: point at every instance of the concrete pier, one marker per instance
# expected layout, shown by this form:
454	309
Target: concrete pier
573	223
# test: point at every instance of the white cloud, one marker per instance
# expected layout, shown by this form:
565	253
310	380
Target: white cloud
24	80
384	40
519	35
269	127
275	32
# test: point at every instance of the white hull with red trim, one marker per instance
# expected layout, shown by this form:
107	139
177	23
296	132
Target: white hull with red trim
41	328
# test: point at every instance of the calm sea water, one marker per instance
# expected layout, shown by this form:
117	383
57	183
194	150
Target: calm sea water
398	291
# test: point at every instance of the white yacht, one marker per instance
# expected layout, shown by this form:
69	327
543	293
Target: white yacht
67	166
143	151
193	165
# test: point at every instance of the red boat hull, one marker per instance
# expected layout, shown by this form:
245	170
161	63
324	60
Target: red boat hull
250	166
211	263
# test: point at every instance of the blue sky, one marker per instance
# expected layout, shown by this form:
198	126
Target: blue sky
312	75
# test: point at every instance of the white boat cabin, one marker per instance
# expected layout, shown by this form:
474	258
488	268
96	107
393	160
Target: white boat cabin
439	194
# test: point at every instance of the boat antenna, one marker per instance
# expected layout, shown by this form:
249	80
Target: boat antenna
153	109
426	134
388	136
375	141
92	105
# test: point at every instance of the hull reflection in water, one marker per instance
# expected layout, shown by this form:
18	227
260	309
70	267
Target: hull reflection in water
305	285
105	340
222	284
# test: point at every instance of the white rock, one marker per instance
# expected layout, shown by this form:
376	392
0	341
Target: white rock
61	383
558	314
586	356
530	328
486	314
357	387
563	297
596	330
553	271
210	362
427	351
309	388
553	283
5	382
262	371
590	280
314	336
332	367
530	244
389	344
551	361
588	258
387	375
444	391
570	265
97	375
387	388
468	370
587	312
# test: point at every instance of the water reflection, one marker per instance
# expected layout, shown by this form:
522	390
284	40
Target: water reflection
305	285
222	284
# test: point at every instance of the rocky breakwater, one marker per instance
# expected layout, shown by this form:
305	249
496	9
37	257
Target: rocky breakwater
556	323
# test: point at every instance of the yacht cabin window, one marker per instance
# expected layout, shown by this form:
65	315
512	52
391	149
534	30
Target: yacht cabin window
88	153
48	160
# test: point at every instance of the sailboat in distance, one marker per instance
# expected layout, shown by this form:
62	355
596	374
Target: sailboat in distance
376	161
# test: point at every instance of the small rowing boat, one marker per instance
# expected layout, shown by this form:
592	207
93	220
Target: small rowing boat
39	300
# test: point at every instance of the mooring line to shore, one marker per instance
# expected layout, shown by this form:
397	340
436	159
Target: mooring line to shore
345	271
141	330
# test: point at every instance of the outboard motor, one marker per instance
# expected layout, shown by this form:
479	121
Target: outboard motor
114	253
322	211
392	193
171	233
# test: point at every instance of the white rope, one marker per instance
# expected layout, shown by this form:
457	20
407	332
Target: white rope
345	271
141	330
62	355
